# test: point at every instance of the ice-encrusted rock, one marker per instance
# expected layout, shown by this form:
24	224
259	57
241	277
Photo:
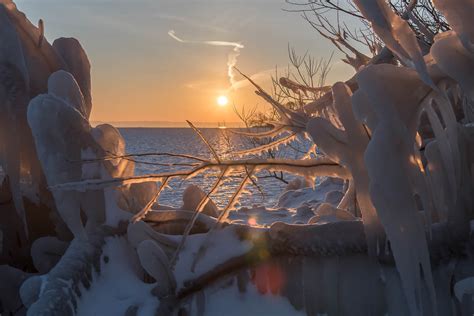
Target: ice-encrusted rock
30	290
334	197
296	198
141	231
304	211
297	183
326	213
454	60
113	144
46	253
464	287
26	62
60	152
64	86
459	18
11	281
192	196
57	293
154	260
134	198
137	196
293	207
75	57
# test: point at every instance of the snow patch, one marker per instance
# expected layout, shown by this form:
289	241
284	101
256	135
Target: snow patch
118	287
223	248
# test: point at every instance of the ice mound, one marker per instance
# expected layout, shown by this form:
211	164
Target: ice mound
294	206
192	196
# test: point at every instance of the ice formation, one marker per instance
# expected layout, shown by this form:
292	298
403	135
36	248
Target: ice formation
192	196
387	231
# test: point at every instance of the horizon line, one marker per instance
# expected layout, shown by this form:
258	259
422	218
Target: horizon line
169	124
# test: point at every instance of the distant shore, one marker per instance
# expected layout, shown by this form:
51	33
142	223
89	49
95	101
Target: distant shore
167	124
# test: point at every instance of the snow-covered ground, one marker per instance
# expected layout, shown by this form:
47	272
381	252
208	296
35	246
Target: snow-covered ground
293	206
119	288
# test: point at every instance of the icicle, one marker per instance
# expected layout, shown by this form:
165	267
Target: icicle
393	180
347	148
267	147
274	132
295	121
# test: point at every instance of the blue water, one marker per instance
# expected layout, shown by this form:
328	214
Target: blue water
185	141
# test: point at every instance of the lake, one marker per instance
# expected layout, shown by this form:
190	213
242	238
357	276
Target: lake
186	141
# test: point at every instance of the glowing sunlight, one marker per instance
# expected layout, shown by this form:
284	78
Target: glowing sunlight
222	100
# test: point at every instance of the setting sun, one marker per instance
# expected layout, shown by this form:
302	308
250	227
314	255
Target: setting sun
222	100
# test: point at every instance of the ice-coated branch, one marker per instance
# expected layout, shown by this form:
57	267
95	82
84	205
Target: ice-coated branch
308	167
198	210
151	154
296	87
222	217
271	133
295	121
338	39
147	207
317	106
396	34
270	146
204	140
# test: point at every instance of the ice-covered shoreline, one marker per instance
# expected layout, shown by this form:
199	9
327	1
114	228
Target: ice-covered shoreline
389	230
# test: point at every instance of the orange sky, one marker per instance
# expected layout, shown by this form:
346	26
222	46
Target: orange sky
141	74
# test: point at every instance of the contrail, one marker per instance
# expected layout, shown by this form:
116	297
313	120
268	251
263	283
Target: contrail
231	58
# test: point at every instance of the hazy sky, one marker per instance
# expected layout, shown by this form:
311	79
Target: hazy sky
140	73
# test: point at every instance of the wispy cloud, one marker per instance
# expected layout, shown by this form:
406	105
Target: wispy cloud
231	58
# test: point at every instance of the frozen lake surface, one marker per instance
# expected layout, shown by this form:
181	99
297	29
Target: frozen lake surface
185	141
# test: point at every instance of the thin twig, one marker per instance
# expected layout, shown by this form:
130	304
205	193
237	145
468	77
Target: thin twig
222	217
191	223
214	153
145	210
113	157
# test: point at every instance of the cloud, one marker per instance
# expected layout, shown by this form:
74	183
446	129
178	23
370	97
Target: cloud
231	58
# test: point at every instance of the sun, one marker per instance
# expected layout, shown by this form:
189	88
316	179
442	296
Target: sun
222	100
